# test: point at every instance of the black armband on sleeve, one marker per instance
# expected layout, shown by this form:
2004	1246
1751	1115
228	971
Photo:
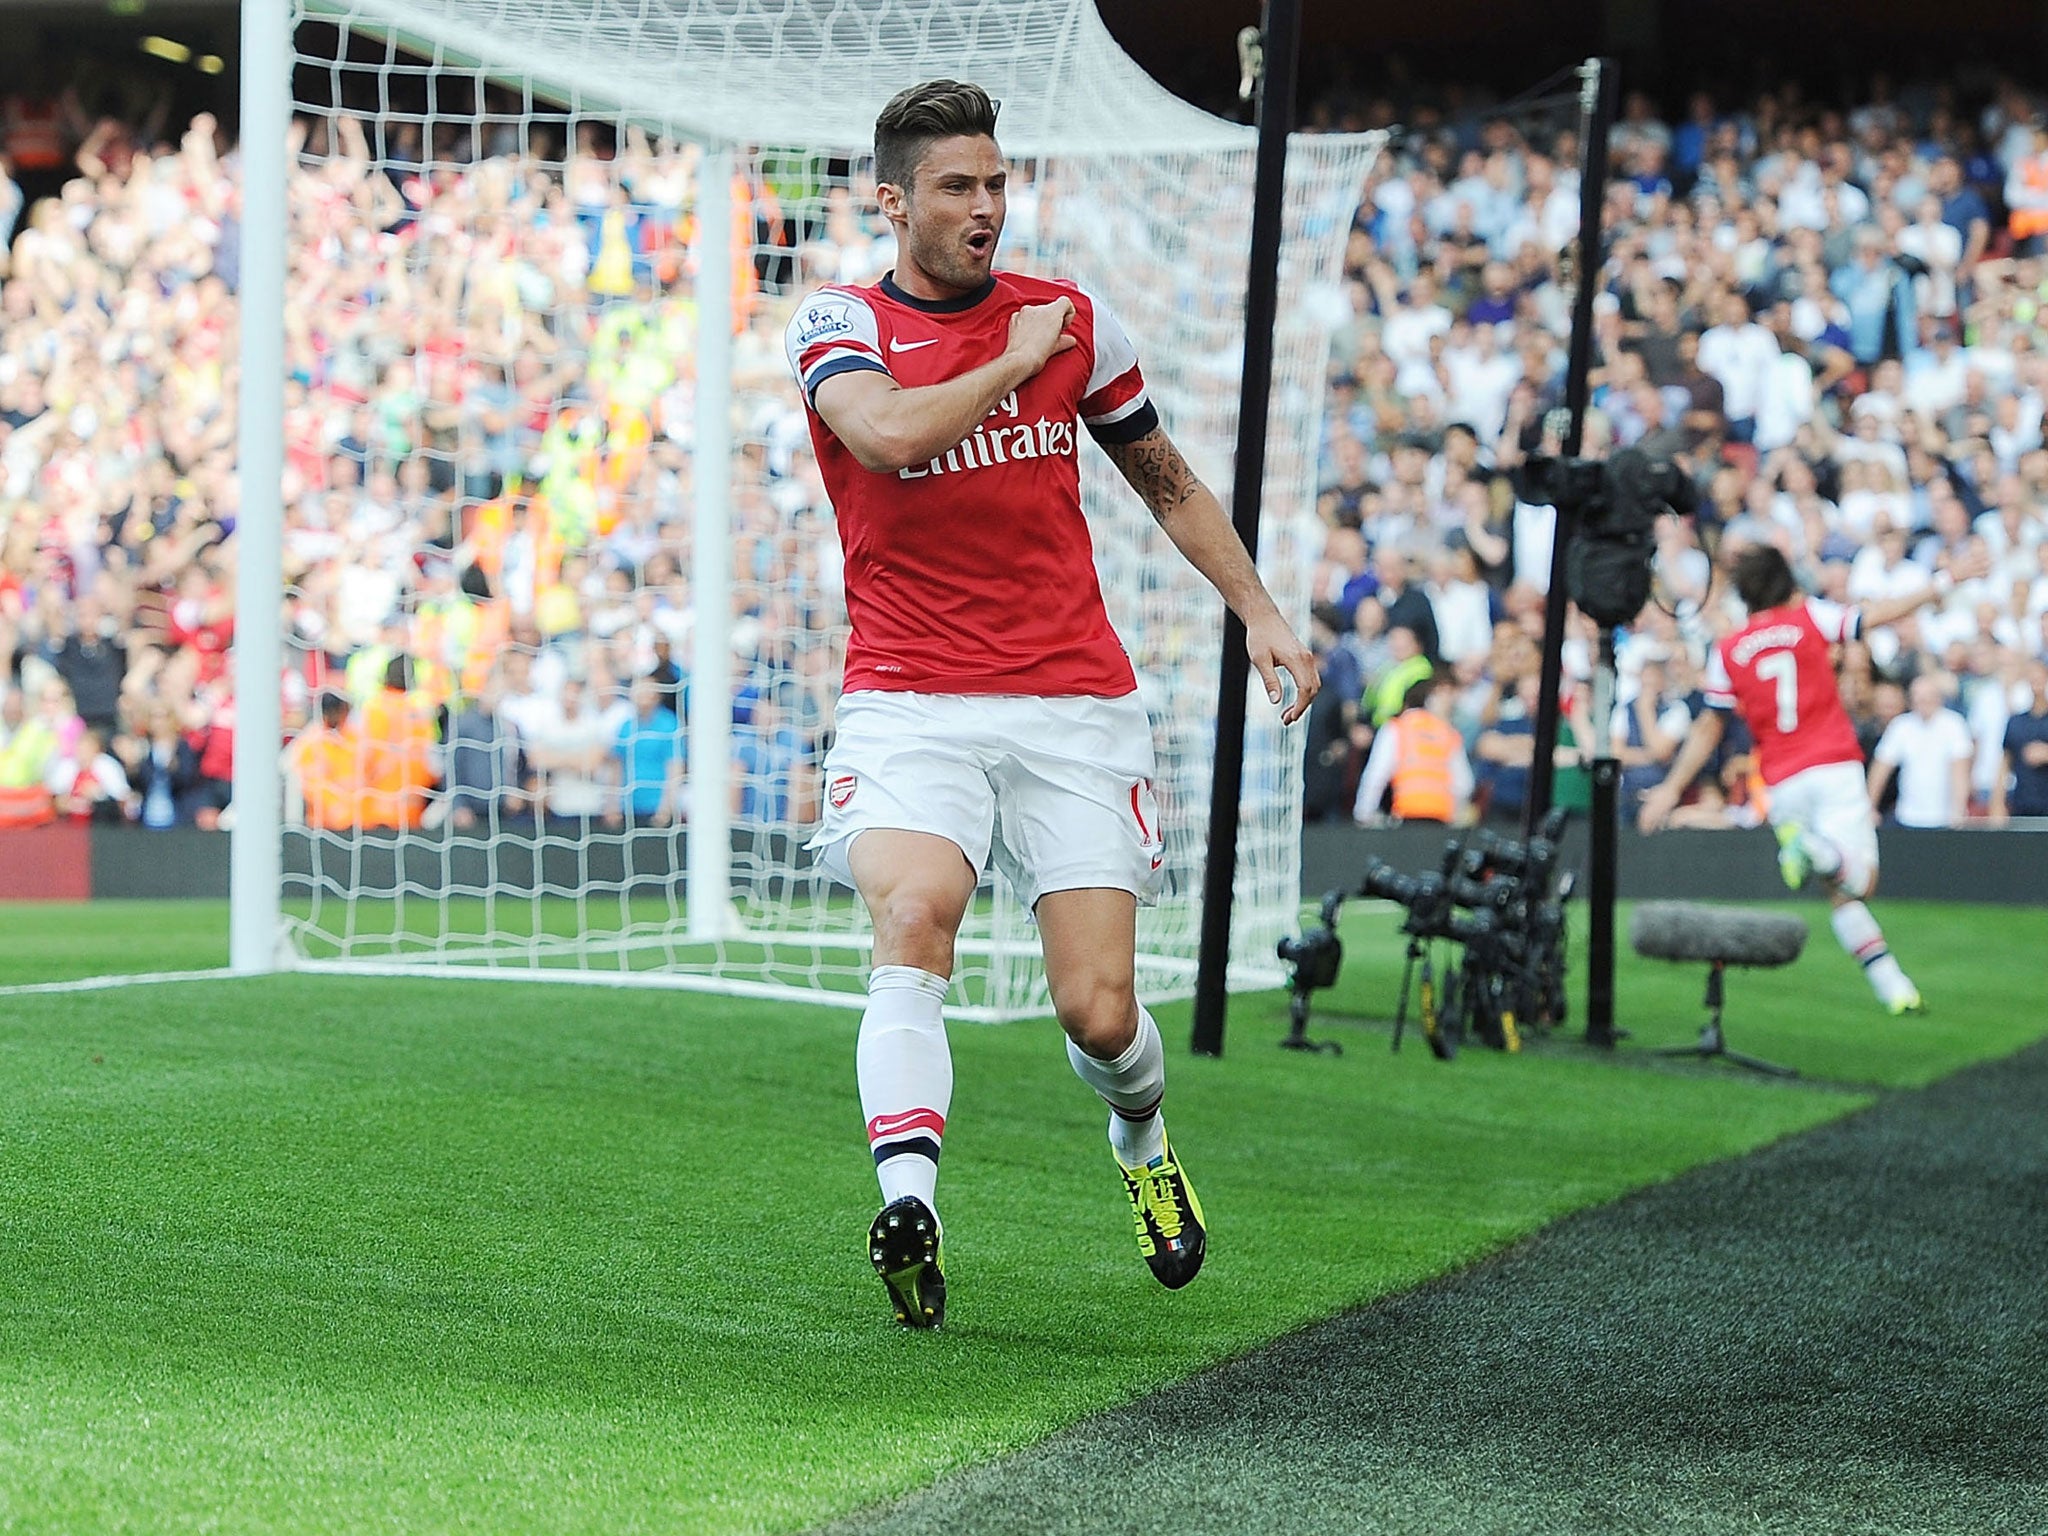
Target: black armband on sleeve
1129	429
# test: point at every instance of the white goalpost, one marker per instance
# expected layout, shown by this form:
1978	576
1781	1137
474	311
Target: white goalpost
519	378
254	875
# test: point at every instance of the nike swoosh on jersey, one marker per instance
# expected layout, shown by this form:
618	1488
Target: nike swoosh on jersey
911	346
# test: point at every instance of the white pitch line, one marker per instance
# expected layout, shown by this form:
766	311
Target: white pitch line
108	983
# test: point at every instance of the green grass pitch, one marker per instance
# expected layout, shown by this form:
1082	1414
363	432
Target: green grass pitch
321	1254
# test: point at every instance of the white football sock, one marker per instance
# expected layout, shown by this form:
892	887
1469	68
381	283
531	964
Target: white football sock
906	1079
1857	932
1132	1085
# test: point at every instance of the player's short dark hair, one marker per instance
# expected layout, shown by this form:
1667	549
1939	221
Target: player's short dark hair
333	709
1763	579
918	117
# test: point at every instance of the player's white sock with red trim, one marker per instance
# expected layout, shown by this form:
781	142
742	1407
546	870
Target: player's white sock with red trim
1132	1085
906	1078
1857	932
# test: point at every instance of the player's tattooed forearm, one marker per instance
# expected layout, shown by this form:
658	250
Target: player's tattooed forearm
1156	472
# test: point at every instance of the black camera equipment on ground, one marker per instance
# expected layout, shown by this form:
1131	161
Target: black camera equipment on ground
1432	914
1518	961
1316	957
1502	900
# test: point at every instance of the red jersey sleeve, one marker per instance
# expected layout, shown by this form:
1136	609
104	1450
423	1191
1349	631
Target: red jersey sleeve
832	332
1114	405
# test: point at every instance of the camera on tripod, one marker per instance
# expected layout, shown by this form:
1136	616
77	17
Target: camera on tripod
1432	900
1505	874
1502	900
1426	897
1316	956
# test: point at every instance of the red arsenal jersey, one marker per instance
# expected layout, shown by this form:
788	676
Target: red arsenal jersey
973	573
1779	672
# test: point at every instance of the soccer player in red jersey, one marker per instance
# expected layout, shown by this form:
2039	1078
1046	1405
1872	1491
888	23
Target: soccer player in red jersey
989	710
1778	670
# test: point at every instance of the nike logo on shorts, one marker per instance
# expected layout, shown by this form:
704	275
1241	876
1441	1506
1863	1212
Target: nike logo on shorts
911	346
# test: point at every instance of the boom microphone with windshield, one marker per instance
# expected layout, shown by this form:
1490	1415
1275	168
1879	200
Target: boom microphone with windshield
1717	937
1684	930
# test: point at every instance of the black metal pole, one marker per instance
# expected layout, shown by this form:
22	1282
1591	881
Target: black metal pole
1281	37
1598	80
1605	850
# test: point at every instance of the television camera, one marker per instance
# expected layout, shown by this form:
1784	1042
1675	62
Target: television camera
1618	501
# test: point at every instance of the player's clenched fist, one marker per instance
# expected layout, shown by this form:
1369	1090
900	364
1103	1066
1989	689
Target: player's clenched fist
1039	331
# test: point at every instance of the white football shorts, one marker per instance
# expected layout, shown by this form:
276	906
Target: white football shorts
1832	801
1057	790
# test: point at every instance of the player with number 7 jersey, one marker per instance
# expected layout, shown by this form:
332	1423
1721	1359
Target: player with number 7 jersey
1778	672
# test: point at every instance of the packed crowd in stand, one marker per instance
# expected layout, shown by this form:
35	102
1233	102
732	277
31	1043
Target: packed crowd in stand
1831	320
487	420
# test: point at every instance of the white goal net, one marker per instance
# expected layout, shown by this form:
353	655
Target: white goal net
551	524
